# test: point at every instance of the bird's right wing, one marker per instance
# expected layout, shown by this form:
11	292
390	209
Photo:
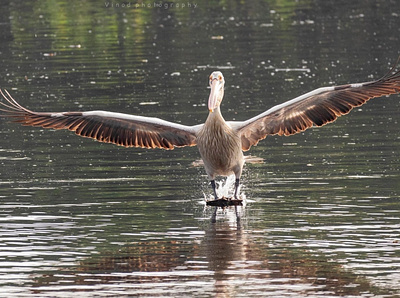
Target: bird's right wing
107	127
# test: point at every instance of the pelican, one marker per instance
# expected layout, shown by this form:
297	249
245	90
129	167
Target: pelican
220	143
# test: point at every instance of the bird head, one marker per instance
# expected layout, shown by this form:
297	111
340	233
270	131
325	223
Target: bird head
217	83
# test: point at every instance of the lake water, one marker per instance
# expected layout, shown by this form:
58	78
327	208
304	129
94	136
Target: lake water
321	214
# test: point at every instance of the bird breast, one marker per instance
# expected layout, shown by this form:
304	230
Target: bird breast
220	147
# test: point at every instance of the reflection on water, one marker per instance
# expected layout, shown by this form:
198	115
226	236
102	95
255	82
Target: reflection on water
224	260
322	212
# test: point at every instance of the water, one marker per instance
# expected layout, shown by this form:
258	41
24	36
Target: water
78	217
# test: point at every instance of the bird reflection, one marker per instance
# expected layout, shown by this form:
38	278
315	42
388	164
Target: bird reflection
228	255
237	214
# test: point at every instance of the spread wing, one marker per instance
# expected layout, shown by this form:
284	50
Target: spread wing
108	127
316	108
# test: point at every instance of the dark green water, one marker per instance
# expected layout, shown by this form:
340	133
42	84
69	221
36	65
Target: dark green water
82	218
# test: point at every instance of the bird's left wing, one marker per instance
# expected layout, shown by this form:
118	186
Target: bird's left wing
108	127
316	108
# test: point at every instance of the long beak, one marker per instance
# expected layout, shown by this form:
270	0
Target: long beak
212	100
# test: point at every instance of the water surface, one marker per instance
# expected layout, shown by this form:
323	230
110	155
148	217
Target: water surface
322	213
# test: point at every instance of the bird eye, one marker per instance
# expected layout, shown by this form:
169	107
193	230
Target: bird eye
220	78
210	77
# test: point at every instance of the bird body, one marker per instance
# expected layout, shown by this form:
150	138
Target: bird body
220	147
220	143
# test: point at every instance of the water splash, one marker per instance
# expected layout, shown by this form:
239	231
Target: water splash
226	188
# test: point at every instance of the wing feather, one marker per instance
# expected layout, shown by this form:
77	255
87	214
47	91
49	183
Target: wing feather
107	127
316	108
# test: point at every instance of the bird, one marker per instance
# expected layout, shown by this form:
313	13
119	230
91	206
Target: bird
221	143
